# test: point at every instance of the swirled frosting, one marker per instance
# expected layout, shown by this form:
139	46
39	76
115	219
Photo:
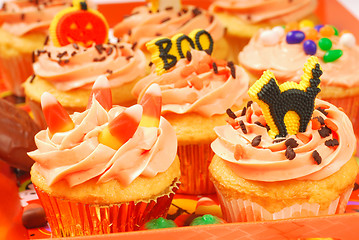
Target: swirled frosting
73	66
267	161
194	86
77	156
261	11
286	61
22	17
144	25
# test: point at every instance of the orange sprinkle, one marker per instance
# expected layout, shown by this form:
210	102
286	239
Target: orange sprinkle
311	34
291	26
315	124
330	124
232	122
249	115
223	70
187	71
322	106
238	152
327	31
202	68
221	62
305	139
262	120
341	109
258	112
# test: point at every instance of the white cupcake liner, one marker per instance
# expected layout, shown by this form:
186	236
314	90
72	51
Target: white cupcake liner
241	210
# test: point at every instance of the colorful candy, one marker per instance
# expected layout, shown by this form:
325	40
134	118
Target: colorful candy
121	128
151	102
101	91
159	223
311	34
269	37
309	46
348	40
325	44
206	220
158	5
57	119
306	24
294	37
332	55
327	31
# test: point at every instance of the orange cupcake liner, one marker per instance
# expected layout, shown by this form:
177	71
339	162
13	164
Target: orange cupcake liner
194	161
14	71
70	218
242	210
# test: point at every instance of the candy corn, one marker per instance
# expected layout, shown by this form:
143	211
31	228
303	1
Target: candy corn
121	128
102	93
158	5
151	102
57	119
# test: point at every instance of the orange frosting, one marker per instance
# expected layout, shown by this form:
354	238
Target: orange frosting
267	161
76	156
272	11
286	61
22	17
74	66
193	86
144	25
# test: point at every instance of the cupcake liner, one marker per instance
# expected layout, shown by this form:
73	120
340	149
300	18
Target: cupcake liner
15	70
194	161
72	218
351	108
241	210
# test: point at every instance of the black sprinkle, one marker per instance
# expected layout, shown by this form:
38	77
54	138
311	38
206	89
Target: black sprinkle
258	123
46	40
320	120
322	110
208	51
243	127
331	143
256	141
233	70
73	53
267	127
33	57
230	113
60	55
278	140
249	103
75	46
324	131
196	12
291	142
66	61
317	158
129	57
134	45
165	20
32	78
289	153
189	56
215	68
244	111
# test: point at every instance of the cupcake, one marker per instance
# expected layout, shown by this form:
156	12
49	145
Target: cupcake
285	53
150	21
286	155
68	65
23	28
82	174
196	92
244	18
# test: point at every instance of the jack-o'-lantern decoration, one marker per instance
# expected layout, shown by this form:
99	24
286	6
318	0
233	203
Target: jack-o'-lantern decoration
79	24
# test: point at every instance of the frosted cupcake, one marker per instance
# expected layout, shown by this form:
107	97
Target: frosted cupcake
82	174
196	90
285	52
23	29
68	68
286	155
148	22
244	18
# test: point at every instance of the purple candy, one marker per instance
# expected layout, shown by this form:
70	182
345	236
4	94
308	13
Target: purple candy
318	27
309	46
294	37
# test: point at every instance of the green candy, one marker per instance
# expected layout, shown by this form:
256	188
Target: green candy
325	44
160	223
332	55
336	32
205	220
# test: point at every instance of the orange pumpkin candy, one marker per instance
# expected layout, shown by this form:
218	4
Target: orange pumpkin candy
79	24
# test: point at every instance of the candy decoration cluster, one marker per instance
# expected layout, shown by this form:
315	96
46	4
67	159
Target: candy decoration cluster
122	127
311	37
287	108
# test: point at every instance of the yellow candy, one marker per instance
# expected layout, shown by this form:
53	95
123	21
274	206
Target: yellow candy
306	24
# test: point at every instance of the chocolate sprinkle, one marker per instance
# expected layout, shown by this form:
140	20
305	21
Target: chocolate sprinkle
75	46
168	8
73	53
215	68
324	131
256	141
211	18
165	20
331	143
289	153
150	64
230	113
196	12
249	103
134	46
33	57
32	78
258	123
243	127
22	16
322	110
244	111
46	40
129	32
129	57
99	48
99	59
320	120
109	51
291	142
356	187
189	56
49	54
278	140
230	64
109	71
317	158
